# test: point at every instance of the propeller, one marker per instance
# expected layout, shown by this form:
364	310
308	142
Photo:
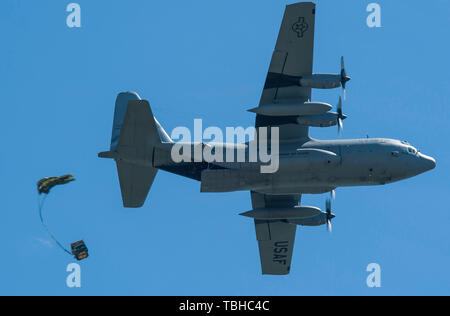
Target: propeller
340	117
333	195
344	77
329	215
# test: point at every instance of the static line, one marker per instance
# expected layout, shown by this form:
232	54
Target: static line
40	206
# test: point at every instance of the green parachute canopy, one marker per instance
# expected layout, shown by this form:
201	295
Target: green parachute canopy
45	184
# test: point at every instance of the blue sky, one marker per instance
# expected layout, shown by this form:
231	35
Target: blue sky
208	59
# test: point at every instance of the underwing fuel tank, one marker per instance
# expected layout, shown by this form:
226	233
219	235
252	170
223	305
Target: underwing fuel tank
292	108
300	215
300	212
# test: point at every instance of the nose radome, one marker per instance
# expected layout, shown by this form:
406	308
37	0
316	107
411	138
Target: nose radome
428	162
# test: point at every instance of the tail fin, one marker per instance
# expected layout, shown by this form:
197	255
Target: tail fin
135	134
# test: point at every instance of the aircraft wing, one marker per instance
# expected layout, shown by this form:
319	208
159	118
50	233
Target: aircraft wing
275	237
293	55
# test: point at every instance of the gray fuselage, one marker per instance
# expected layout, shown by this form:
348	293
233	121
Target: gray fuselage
313	166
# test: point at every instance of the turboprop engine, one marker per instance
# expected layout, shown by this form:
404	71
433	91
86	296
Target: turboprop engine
318	81
326	81
324	119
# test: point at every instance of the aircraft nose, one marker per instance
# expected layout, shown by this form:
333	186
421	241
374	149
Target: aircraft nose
428	163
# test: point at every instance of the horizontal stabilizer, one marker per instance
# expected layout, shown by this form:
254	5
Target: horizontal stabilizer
135	182
108	154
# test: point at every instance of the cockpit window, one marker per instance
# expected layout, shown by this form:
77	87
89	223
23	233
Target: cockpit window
412	150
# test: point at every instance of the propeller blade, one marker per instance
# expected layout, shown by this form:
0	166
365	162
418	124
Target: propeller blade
329	228
340	116
340	126
339	107
329	215
344	77
333	195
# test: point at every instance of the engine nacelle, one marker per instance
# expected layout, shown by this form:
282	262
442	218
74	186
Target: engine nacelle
292	108
320	120
318	220
321	81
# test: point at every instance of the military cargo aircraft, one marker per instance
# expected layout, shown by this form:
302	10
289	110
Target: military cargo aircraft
141	147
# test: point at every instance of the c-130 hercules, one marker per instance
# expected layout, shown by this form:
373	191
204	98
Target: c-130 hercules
141	147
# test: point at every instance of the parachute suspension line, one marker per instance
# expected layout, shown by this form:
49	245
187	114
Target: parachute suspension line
41	206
